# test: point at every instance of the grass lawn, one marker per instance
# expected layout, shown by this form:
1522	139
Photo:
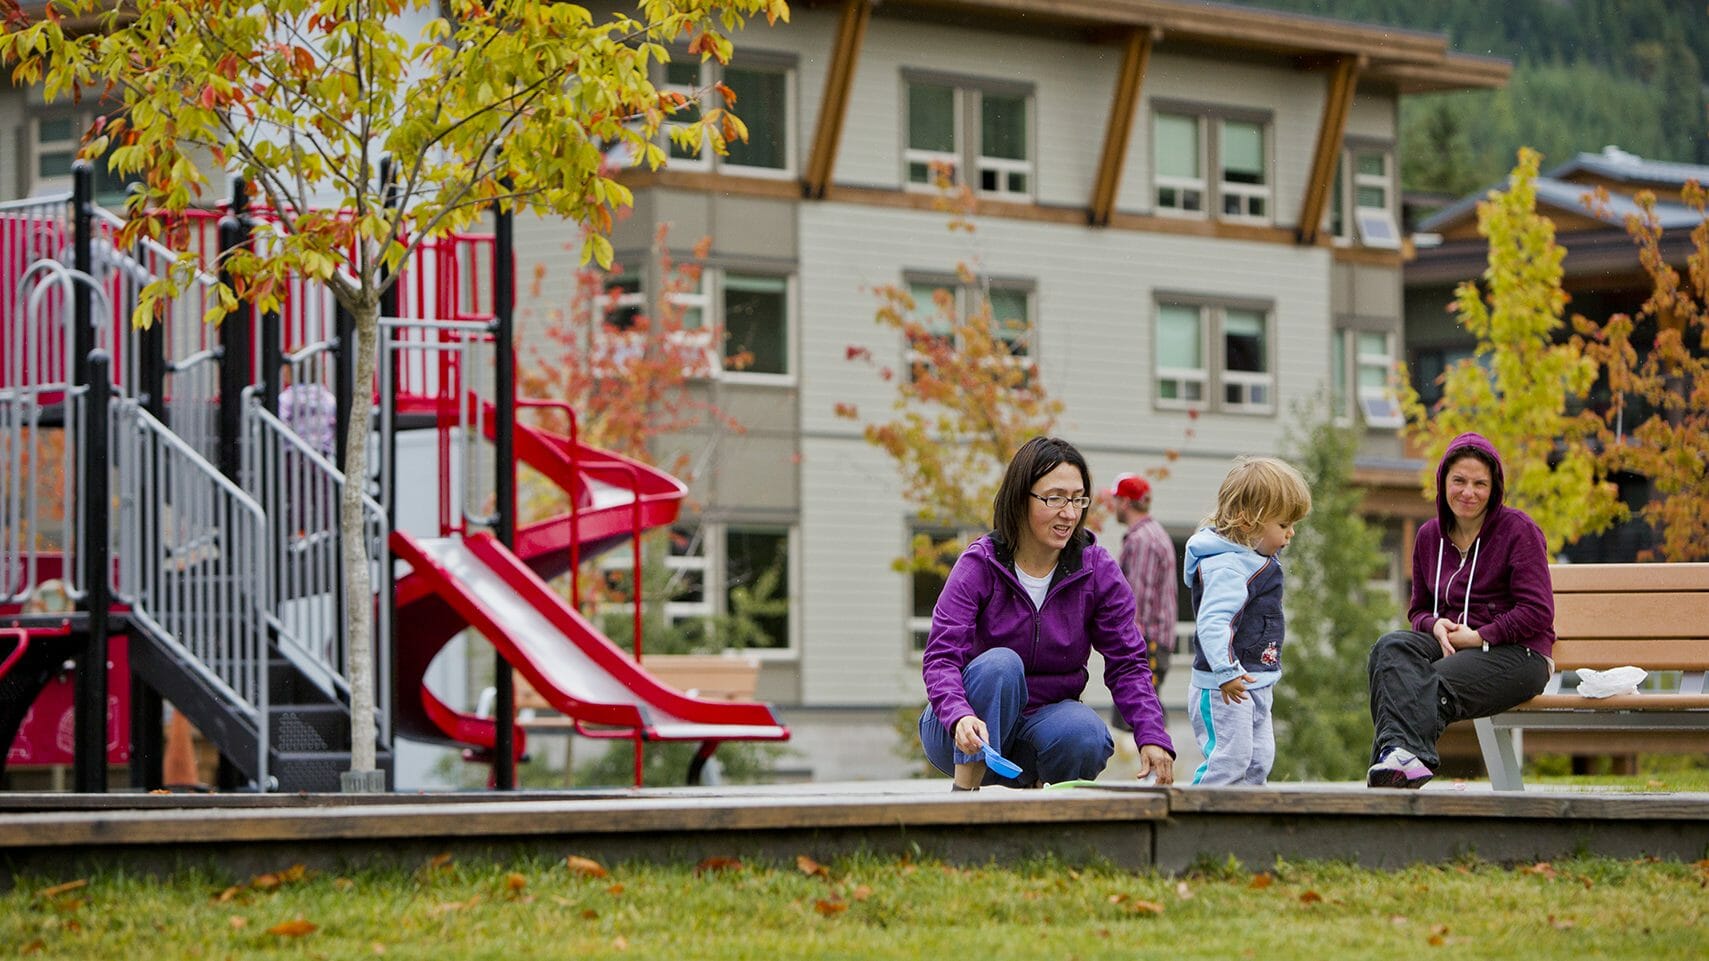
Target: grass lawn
874	908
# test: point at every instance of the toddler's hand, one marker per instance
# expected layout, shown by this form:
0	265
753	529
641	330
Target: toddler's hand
1234	689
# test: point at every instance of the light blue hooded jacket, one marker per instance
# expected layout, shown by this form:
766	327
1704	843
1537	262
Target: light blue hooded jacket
1237	604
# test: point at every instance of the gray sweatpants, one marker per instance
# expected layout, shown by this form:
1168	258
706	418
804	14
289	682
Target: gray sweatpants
1237	740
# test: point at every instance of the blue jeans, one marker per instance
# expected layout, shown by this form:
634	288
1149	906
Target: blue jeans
1064	741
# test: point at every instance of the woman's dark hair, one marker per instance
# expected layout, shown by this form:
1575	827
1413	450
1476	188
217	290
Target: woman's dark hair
1464	451
1036	458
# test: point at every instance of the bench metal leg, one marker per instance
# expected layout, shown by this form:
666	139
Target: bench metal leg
1501	753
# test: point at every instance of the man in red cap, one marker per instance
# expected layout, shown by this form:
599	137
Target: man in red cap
1148	560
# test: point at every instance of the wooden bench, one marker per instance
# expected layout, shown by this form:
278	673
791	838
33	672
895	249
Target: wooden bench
716	677
1653	616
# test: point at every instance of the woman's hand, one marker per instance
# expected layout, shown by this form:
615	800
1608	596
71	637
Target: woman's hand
1443	629
1155	760
1463	637
970	733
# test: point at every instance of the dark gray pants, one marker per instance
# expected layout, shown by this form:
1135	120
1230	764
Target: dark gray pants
1416	691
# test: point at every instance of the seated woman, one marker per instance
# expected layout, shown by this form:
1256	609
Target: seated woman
1012	632
1482	613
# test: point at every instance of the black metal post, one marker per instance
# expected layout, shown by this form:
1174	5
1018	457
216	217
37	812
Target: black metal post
236	340
90	725
504	442
83	260
148	735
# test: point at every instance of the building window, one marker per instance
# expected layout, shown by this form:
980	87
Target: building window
1177	159
940	306
54	139
1364	360
1215	355
753	309
924	585
1373	192
1430	363
756	322
1244	188
996	146
679	582
763	102
757	582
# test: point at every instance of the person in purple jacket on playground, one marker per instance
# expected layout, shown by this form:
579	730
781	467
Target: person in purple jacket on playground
1482	613
1012	632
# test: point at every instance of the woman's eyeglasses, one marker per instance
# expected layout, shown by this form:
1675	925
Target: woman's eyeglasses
1057	502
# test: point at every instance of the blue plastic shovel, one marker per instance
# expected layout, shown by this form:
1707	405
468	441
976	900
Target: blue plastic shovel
998	763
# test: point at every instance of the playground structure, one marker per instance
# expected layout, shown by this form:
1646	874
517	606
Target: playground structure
179	486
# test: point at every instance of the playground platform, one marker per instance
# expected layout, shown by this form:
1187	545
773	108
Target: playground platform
59	836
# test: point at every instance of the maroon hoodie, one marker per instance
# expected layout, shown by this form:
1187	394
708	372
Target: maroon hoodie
1501	586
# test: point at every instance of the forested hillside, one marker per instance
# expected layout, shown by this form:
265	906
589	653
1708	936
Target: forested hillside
1587	73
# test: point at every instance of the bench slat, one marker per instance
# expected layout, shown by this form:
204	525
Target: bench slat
1619	702
1600	654
1628	578
1610	615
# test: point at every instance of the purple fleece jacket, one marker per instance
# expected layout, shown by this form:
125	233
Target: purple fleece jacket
1501	586
983	606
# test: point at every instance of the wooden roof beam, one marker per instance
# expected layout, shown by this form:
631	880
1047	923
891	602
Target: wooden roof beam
1135	54
833	106
1343	83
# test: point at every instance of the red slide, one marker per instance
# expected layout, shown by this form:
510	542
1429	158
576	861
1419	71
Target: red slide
581	673
616	498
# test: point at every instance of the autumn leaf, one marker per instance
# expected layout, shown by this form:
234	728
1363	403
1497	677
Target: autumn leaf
34	947
1311	897
717	865
294	928
831	907
614	890
1542	869
585	867
1438	935
229	893
1561	924
1262	881
1147	907
810	867
59	889
861	892
514	882
1182	891
620	942
589	914
237	922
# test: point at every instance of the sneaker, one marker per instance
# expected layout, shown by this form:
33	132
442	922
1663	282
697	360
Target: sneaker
1398	768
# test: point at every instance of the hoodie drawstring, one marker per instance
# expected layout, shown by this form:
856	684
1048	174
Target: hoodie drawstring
1436	592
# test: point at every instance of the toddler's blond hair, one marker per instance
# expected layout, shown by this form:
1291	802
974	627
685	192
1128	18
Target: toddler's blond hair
1256	491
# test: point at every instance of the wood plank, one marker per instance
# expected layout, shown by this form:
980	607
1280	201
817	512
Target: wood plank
1119	130
834	104
1669	614
1337	102
1599	654
1652	701
1629	578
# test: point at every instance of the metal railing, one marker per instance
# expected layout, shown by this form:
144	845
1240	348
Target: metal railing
190	550
299	490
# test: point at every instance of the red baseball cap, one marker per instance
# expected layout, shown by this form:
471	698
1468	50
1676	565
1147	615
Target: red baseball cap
1131	486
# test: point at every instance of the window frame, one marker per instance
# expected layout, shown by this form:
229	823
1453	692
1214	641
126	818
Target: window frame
964	294
711	74
1352	398
1357	220
791	648
709	301
968	157
1216	377
1210	121
917	628
788	376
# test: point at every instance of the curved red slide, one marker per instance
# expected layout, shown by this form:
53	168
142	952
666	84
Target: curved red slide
616	499
581	673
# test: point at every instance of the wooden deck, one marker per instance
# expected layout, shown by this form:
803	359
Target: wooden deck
58	836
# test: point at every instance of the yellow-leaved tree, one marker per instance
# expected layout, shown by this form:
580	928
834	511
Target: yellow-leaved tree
1519	386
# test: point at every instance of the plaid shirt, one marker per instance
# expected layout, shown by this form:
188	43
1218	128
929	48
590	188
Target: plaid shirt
1148	560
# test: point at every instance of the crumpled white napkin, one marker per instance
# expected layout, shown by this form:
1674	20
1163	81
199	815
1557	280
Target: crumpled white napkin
1615	680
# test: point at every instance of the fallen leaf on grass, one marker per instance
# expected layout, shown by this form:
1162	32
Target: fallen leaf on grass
717	865
589	914
1182	891
828	908
1262	881
861	893
436	865
1438	935
229	893
586	867
294	928
34	947
343	884
1147	907
1311	897
514	882
238	922
1398	919
1561	924
614	890
378	948
810	867
60	889
1117	898
620	942
1542	869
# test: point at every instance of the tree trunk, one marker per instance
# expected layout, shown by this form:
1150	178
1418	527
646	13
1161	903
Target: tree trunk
358	590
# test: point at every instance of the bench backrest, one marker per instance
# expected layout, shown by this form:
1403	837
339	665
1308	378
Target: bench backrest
1653	616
